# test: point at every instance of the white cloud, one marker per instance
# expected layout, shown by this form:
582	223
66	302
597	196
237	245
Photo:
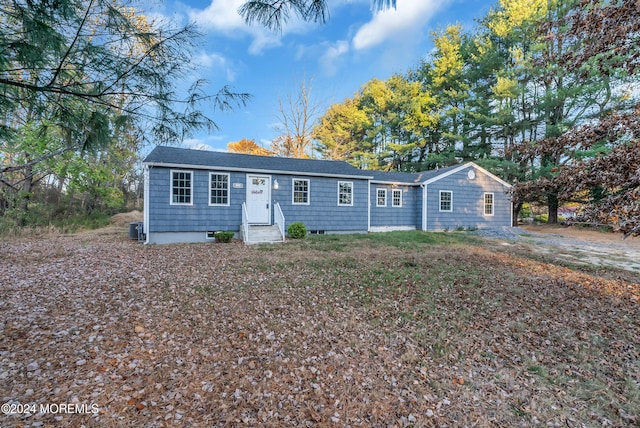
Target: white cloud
221	16
196	144
217	62
408	18
210	60
204	142
262	41
333	55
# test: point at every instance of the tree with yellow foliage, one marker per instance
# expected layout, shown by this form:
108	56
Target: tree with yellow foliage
248	147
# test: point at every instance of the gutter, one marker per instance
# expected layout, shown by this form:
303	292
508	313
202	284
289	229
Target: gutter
397	183
255	170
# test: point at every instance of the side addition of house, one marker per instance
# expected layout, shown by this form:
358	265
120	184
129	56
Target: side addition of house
191	194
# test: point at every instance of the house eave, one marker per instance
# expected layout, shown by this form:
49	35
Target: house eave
255	170
395	183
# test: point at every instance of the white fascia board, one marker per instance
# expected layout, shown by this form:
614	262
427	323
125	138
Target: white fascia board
256	171
396	183
464	166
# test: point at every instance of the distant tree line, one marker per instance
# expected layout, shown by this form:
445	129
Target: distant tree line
84	85
544	93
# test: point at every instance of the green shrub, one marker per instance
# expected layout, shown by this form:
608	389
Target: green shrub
223	236
541	218
525	211
297	230
544	218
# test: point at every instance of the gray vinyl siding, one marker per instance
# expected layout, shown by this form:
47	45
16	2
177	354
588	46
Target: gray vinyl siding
199	216
323	212
408	215
468	202
169	222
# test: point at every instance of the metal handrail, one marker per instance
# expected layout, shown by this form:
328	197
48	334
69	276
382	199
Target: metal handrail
278	217
245	223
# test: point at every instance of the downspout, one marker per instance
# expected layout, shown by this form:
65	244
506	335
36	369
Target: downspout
424	206
145	204
369	205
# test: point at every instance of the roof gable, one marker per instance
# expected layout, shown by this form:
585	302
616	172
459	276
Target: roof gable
414	178
458	168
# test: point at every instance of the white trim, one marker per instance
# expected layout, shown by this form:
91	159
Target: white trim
425	193
462	167
368	205
440	201
146	203
393	191
190	203
352	193
397	183
390	228
228	189
385	196
484	204
255	171
293	190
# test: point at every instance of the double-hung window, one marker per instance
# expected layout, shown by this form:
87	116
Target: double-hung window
396	198
300	191
381	200
181	187
488	204
446	200
218	189
345	193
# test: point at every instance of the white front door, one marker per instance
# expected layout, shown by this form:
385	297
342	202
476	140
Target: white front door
259	199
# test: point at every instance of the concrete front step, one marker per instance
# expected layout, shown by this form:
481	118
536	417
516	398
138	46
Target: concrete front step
263	234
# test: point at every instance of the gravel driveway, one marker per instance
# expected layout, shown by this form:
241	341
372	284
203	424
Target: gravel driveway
574	244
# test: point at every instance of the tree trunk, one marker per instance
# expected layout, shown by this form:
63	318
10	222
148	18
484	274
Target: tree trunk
516	212
552	205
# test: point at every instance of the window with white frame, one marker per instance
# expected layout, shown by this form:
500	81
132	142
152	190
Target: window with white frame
446	200
218	189
396	198
345	193
381	200
488	204
181	187
300	191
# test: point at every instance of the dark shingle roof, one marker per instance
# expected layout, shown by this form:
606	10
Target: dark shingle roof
409	177
173	156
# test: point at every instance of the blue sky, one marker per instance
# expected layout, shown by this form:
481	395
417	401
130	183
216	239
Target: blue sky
335	59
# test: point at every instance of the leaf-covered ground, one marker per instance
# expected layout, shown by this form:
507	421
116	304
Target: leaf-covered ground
333	331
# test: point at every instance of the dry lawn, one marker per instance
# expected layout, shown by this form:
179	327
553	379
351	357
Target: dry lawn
331	331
